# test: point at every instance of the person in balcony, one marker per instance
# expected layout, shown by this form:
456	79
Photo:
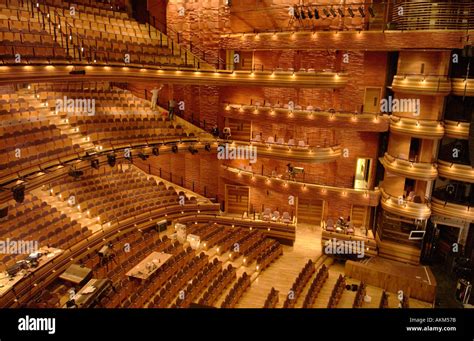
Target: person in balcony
154	96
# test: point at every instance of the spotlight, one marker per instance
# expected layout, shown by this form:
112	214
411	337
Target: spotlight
333	12
316	14
75	173
19	193
174	148
310	14
371	11
156	151
95	164
341	12
207	147
303	15
351	12
326	12
361	11
142	156
111	160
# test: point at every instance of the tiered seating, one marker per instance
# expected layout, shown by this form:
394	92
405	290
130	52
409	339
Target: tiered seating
113	194
34	220
22	34
270	254
50	32
337	291
27	138
199	283
119	117
272	299
106	36
217	287
237	291
359	298
316	286
299	284
179	280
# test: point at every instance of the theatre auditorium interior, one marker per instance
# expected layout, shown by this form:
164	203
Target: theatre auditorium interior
236	154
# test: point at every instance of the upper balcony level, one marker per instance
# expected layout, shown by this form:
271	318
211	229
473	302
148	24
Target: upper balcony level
390	25
425	129
457	130
453	199
308	116
434	85
403	207
414	170
463	87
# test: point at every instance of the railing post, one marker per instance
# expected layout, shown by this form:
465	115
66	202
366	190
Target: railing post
160	172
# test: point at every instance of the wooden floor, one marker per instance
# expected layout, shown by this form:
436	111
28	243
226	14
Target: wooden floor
283	272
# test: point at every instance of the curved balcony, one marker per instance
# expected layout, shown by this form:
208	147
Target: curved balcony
174	75
424	129
304	154
463	87
294	187
457	130
456	171
422	85
310	117
404	208
444	208
414	170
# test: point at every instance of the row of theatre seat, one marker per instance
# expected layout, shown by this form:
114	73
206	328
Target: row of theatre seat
299	284
337	292
35	220
31	139
360	294
51	32
316	286
272	299
252	245
115	194
236	292
221	281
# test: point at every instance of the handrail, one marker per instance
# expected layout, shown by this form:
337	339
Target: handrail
188	44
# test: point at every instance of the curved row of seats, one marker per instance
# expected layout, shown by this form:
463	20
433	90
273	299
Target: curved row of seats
272	299
90	34
239	288
269	255
316	286
222	280
199	283
114	194
35	220
337	291
359	297
299	284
